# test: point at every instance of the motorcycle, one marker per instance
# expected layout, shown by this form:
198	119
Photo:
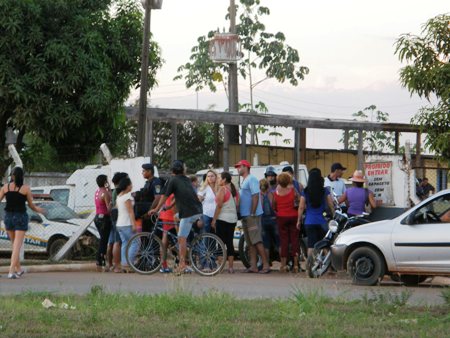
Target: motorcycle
319	262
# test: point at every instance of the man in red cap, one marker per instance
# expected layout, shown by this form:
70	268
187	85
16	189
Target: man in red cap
251	210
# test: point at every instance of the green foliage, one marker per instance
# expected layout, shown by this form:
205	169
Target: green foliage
372	140
428	74
197	144
388	298
446	295
306	314
66	69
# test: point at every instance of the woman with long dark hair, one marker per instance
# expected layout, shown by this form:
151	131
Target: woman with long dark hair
16	218
315	199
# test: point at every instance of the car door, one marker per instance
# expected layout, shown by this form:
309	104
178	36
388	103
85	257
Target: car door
35	239
421	241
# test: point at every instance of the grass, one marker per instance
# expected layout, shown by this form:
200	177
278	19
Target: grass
99	314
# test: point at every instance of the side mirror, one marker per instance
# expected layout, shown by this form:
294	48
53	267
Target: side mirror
410	219
36	218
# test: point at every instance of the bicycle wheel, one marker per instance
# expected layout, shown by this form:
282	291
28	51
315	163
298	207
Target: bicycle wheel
208	254
143	253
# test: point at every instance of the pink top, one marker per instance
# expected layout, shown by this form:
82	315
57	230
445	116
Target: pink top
100	204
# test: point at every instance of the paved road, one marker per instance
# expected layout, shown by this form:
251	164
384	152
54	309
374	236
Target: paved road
274	285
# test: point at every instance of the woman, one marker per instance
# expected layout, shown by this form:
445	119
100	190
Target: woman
225	215
16	217
126	221
114	243
207	195
268	220
102	218
357	197
284	201
314	199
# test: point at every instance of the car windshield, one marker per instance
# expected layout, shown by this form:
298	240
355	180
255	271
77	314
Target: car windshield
56	211
434	209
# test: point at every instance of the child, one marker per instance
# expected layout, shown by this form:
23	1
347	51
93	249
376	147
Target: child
167	217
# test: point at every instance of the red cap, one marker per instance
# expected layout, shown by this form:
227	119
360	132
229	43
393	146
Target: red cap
242	163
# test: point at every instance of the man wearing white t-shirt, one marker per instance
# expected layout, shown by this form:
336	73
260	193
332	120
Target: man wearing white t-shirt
334	181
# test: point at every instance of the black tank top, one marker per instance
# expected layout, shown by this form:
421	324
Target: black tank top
15	201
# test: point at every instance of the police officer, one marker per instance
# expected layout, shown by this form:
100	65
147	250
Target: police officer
148	197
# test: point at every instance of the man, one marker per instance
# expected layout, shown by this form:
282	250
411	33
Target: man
271	177
148	197
251	212
297	185
188	205
426	188
334	182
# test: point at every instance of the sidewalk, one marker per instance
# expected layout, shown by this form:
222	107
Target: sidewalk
63	267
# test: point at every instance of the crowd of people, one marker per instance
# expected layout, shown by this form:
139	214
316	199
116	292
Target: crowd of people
273	211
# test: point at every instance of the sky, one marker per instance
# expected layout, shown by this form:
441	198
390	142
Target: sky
347	45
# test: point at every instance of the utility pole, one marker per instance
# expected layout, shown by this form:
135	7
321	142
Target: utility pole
143	125
233	99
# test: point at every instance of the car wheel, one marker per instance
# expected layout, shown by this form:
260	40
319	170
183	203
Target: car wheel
412	280
55	246
366	266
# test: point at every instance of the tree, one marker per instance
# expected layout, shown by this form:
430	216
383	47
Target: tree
261	49
197	144
426	74
372	140
66	69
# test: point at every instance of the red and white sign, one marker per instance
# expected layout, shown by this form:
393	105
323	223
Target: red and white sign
379	176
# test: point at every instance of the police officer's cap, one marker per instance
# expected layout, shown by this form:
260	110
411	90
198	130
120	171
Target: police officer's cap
148	166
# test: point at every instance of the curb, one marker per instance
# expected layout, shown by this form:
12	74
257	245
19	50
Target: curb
55	268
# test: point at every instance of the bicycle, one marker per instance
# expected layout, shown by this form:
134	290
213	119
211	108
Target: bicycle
203	249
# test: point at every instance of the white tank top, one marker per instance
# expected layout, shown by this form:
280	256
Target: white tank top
228	212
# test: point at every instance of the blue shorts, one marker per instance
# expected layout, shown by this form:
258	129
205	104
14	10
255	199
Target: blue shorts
186	225
16	221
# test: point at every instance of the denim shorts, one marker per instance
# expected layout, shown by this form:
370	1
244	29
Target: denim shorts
16	221
186	225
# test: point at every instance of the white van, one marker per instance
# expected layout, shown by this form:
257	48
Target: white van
78	193
259	172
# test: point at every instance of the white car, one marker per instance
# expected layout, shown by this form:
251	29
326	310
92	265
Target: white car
48	233
409	248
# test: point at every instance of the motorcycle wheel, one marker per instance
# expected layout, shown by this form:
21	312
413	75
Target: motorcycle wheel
318	263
